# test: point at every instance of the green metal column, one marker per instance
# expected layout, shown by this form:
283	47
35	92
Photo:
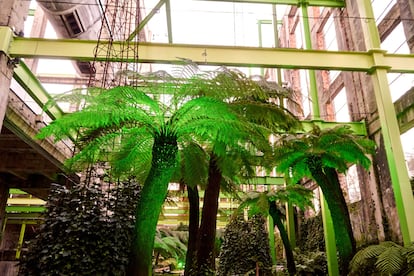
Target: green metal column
389	125
169	25
290	220
271	229
329	233
21	238
313	88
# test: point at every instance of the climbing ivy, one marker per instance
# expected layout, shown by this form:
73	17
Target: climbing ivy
86	231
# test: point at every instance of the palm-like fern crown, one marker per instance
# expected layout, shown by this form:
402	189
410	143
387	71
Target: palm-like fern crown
335	148
221	111
120	125
258	202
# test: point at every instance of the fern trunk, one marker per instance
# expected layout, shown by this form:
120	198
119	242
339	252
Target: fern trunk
290	260
327	179
207	232
193	224
164	153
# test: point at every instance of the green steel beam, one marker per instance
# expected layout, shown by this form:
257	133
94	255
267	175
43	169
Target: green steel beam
267	180
25	209
313	87
359	128
214	55
6	36
20	242
145	20
320	3
389	126
34	88
169	24
16	191
329	233
27	222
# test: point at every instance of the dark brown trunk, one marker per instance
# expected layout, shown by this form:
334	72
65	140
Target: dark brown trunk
327	179
193	224
207	231
290	260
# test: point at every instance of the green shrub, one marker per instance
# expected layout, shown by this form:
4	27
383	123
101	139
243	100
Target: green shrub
245	248
86	231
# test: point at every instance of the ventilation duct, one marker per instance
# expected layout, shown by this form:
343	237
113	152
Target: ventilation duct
79	19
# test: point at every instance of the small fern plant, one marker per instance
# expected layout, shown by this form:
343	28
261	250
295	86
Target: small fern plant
385	258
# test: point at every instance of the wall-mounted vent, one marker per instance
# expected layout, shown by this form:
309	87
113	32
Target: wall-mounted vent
72	23
85	68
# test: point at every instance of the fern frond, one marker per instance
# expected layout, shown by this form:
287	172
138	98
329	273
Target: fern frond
194	165
369	255
390	261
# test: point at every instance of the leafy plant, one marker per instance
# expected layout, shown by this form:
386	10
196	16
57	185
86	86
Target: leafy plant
85	232
257	103
245	249
385	258
269	203
311	263
140	136
320	155
310	234
170	247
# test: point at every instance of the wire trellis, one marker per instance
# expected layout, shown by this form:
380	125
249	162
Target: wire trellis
120	18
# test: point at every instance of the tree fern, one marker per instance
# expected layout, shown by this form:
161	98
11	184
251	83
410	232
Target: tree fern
269	202
319	155
387	258
207	108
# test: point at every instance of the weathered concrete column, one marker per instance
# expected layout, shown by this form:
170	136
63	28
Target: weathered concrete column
4	195
407	16
13	13
5	78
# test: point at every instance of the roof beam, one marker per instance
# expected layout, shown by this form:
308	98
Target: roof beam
213	55
320	3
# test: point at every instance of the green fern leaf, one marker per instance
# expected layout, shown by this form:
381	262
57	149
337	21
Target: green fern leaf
390	261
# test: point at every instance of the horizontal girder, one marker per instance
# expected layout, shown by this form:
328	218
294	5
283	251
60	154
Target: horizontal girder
320	3
288	58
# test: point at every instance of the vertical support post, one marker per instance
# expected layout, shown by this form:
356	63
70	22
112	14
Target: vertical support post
4	195
21	238
313	88
168	12
271	229
330	244
6	72
389	125
290	225
329	234
276	36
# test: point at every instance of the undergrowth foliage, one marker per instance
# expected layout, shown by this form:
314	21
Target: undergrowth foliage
86	231
245	249
385	258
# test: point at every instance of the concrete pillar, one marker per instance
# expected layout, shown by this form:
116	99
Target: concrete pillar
407	17
13	13
4	195
5	78
362	106
38	30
